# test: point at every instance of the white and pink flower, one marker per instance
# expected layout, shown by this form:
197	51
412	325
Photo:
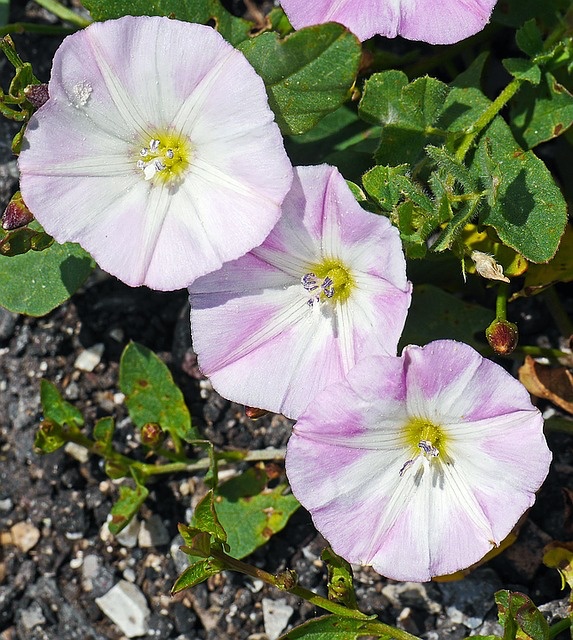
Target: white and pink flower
433	21
150	148
327	287
419	465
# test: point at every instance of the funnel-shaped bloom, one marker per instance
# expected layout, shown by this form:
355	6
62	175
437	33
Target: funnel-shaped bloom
419	465
434	21
328	285
149	151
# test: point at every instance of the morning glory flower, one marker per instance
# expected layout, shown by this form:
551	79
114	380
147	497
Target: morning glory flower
150	148
419	465
437	22
327	286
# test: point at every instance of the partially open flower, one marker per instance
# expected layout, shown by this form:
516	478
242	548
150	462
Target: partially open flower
149	151
434	21
326	287
419	465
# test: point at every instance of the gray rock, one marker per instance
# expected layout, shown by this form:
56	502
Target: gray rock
152	533
468	601
32	617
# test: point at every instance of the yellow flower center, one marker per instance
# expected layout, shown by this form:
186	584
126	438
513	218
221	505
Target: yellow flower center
165	157
329	280
423	438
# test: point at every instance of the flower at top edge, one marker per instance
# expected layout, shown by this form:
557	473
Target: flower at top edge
327	285
149	151
433	21
419	465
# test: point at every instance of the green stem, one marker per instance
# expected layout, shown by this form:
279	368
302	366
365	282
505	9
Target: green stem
487	116
181	466
558	627
501	301
65	14
283	583
32	27
541	352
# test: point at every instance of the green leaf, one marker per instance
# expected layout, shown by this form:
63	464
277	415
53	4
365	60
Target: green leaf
150	393
197	573
126	507
49	437
56	409
340	584
523	69
381	97
103	434
528	38
435	314
387	185
409	114
529	212
34	283
205	518
342	628
308	74
250	512
233	29
518	613
542	113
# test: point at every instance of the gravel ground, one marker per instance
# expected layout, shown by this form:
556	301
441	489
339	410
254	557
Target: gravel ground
57	557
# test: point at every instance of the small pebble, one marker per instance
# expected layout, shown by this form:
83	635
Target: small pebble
89	359
152	533
79	453
276	614
126	606
25	536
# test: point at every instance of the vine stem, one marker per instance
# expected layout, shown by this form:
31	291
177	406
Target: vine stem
283	582
65	14
501	301
487	116
183	466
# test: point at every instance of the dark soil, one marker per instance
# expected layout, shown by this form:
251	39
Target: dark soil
55	555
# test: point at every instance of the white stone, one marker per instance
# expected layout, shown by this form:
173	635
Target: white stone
32	616
126	606
77	452
89	358
276	614
152	533
128	537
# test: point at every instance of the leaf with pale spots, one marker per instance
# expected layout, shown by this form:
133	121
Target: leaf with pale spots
250	512
150	393
126	507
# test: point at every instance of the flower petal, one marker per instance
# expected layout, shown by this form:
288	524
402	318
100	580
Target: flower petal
252	319
349	461
434	21
115	87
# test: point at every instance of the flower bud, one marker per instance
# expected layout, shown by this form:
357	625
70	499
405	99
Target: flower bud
502	336
152	435
16	213
37	94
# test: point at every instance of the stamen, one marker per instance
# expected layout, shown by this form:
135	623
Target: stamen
311	283
428	450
